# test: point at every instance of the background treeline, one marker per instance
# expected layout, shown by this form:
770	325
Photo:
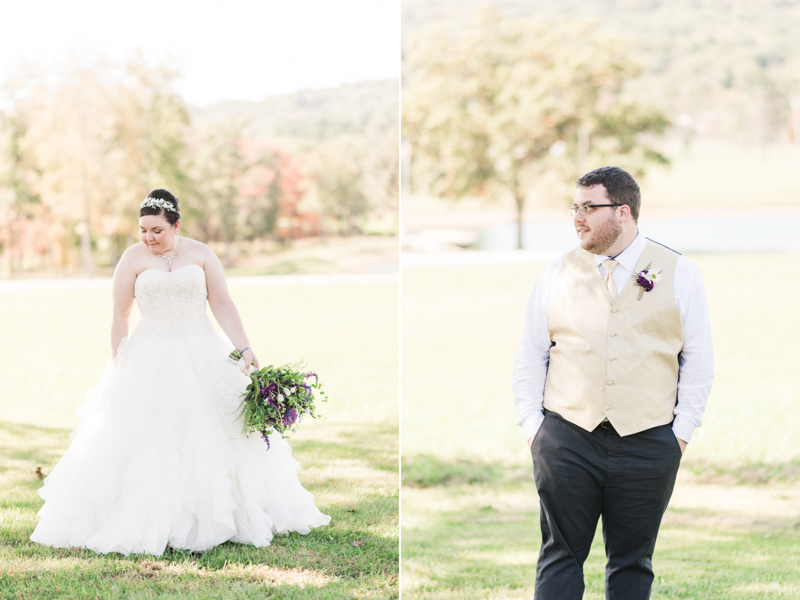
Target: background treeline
728	68
81	147
651	74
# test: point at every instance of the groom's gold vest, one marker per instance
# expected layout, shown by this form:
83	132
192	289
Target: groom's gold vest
614	359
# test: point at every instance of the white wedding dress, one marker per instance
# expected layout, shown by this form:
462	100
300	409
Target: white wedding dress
159	457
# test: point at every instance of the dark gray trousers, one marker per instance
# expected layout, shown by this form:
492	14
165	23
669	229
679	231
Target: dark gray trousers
581	475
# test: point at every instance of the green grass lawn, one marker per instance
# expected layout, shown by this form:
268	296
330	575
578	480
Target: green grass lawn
55	347
709	176
470	509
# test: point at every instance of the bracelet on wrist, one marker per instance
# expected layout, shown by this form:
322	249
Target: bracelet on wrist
242	351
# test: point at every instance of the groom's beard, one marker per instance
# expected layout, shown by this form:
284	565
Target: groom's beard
603	236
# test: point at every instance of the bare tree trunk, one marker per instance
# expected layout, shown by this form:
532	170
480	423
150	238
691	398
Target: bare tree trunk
116	252
86	236
242	215
86	248
227	254
520	201
14	251
405	166
226	236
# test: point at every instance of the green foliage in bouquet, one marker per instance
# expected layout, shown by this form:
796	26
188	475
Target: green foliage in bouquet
277	398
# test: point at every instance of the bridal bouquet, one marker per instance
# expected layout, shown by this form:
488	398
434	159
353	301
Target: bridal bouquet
277	398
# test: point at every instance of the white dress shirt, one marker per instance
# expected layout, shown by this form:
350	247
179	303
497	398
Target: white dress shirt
696	360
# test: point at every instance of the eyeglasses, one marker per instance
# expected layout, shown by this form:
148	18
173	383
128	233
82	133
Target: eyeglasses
586	209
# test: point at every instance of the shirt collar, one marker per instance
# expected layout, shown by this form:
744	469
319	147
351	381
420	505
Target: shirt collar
629	257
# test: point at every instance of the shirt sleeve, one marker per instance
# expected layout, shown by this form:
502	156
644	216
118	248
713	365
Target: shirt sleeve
696	360
533	354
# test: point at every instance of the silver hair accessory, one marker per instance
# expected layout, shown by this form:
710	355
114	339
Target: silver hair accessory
159	203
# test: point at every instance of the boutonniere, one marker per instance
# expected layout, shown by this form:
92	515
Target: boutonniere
646	279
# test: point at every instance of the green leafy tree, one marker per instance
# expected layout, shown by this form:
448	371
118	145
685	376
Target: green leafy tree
336	172
18	200
88	145
354	179
497	108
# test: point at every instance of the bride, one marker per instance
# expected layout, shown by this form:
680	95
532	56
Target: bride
159	457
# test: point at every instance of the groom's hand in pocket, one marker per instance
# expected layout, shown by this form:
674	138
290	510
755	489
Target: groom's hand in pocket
530	441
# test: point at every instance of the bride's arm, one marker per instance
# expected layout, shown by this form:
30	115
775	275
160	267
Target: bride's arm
224	309
124	279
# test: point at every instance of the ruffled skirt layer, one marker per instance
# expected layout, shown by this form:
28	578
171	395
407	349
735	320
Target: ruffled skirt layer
159	459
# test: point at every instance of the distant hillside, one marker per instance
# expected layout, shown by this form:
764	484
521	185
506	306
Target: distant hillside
725	65
367	108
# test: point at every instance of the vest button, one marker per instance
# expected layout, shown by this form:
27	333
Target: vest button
612	358
614	310
607	408
610	383
613	335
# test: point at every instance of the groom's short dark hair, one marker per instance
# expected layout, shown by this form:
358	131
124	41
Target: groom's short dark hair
621	187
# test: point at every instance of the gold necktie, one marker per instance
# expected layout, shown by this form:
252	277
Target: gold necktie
609	266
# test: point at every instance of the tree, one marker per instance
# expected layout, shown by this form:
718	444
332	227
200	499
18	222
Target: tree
244	188
152	126
217	164
355	179
336	172
96	138
491	109
18	200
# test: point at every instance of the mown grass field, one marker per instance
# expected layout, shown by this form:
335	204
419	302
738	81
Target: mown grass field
55	344
470	519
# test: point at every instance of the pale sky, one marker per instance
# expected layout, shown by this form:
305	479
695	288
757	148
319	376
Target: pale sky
231	49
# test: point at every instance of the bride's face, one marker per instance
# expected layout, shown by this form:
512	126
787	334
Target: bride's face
157	234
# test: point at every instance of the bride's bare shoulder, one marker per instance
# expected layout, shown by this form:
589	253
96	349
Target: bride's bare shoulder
191	243
133	257
136	252
203	251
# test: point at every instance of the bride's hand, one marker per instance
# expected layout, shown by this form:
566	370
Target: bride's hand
249	359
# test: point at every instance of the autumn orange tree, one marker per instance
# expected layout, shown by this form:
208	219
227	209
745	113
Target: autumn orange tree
491	109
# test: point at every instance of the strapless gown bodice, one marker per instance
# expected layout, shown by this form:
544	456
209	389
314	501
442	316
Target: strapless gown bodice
159	457
172	303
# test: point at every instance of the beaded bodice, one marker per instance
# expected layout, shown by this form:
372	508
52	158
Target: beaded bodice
172	303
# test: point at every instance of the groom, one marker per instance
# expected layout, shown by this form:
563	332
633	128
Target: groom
611	378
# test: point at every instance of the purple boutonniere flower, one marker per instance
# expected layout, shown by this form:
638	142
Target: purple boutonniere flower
646	279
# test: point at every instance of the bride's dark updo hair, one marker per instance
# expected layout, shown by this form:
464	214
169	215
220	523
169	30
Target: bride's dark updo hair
151	208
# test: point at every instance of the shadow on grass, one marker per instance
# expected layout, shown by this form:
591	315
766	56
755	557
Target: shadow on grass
42	445
744	473
426	470
376	444
482	541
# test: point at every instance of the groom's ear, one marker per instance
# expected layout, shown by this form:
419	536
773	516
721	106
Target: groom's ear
624	213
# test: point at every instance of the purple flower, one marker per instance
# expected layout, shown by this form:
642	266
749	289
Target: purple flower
312	374
644	282
289	418
265	437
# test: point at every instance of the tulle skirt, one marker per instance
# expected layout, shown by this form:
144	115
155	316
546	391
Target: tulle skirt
159	458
